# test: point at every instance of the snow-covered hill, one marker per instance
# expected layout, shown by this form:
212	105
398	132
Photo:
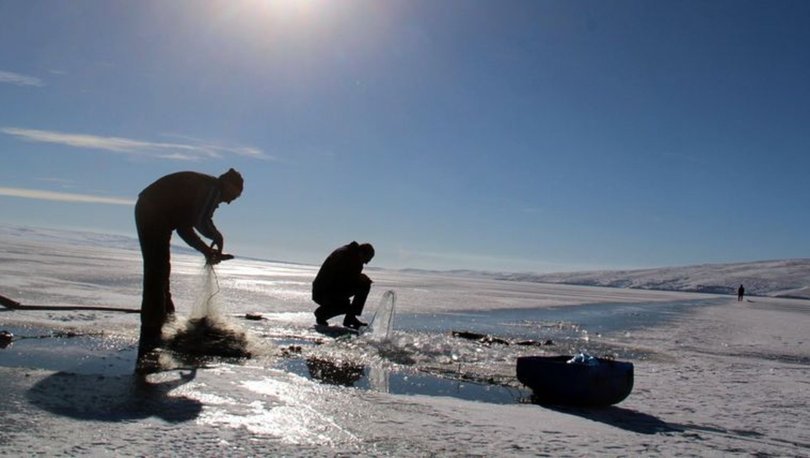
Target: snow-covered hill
781	278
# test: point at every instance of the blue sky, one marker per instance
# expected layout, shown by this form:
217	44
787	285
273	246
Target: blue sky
510	135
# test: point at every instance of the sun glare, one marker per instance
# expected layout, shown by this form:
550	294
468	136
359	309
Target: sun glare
275	24
289	9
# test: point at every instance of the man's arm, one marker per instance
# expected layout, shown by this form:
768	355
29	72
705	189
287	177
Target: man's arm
194	241
204	221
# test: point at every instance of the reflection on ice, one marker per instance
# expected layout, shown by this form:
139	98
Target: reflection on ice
262	272
281	408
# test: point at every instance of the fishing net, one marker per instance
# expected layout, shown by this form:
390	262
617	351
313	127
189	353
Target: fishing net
206	332
383	322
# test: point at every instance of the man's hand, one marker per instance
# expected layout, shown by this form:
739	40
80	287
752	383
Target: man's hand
212	258
215	257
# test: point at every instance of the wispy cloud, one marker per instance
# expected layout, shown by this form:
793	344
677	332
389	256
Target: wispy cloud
20	80
188	151
246	151
40	194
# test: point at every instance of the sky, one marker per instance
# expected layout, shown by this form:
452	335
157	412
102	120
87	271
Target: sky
535	136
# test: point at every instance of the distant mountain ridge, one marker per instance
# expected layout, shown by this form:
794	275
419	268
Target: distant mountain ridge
779	278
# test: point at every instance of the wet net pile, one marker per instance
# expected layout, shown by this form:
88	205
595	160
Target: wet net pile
207	336
206	333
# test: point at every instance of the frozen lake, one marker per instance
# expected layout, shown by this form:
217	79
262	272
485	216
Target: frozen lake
438	385
422	357
434	349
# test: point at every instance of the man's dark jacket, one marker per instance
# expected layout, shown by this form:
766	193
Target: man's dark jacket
340	272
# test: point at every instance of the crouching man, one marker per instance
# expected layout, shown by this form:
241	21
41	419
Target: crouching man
341	287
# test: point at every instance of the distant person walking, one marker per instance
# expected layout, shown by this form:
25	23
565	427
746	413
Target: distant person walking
740	293
182	201
340	278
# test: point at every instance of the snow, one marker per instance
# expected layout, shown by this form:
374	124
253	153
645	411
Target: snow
781	278
713	376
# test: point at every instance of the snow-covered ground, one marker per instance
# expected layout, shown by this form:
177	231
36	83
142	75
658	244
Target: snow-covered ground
789	278
713	376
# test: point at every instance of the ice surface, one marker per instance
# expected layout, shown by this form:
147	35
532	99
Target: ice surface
712	376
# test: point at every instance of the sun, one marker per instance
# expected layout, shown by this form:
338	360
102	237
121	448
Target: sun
289	9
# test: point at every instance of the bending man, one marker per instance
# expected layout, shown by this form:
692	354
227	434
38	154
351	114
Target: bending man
340	278
182	201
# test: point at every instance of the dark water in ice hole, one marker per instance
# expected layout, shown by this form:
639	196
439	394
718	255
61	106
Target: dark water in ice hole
89	354
559	324
604	318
